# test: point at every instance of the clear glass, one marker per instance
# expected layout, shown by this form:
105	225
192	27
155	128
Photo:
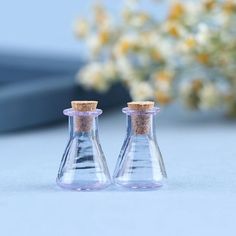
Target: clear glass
140	164
83	165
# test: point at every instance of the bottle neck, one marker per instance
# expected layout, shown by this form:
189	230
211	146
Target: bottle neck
141	124
83	126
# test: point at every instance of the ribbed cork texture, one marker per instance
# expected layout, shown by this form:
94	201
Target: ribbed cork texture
141	122
83	123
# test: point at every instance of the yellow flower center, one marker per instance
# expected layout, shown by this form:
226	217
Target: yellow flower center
209	4
155	55
172	30
162	97
190	42
176	11
229	6
203	58
163	76
104	37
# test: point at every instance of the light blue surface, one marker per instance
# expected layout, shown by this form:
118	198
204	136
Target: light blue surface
200	198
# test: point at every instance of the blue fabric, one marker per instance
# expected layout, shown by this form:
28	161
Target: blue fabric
35	90
200	199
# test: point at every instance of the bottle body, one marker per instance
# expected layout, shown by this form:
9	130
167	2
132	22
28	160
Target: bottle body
83	165
140	164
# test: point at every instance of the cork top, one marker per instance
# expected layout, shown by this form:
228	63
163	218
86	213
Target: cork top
84	105
141	106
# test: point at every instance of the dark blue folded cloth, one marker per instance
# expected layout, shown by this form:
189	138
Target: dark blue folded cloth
34	91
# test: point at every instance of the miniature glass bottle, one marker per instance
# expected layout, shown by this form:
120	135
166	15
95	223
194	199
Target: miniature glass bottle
83	166
140	164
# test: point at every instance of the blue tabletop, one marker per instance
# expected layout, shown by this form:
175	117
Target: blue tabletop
200	198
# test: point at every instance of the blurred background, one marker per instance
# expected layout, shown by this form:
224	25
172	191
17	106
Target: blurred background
39	57
181	54
30	28
173	52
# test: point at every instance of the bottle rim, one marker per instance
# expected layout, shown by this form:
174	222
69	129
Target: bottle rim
72	112
129	111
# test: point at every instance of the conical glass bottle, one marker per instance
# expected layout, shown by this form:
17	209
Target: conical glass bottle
83	166
140	164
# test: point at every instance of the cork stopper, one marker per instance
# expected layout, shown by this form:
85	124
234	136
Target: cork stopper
140	106
83	123
84	105
141	122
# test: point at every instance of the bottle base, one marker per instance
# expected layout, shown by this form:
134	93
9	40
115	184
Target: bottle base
84	186
139	185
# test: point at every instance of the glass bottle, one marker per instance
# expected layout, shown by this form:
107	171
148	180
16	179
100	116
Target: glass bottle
140	164
83	165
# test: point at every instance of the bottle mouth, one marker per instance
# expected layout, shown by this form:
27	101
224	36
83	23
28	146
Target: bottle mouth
129	111
72	112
